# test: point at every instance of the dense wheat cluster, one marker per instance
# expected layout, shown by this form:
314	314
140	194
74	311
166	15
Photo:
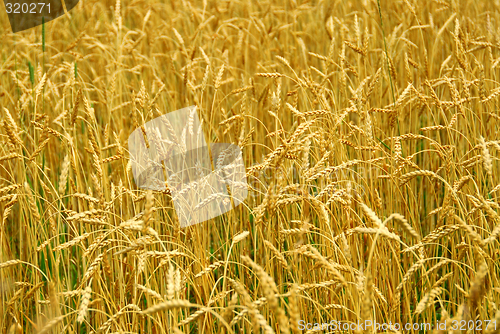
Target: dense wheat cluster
369	133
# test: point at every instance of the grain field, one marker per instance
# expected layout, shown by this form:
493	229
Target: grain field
370	134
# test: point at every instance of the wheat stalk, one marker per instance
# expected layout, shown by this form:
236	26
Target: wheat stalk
82	312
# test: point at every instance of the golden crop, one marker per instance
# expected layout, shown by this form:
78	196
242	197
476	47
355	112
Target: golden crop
370	132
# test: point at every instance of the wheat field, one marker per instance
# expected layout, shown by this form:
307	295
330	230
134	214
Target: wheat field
369	134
